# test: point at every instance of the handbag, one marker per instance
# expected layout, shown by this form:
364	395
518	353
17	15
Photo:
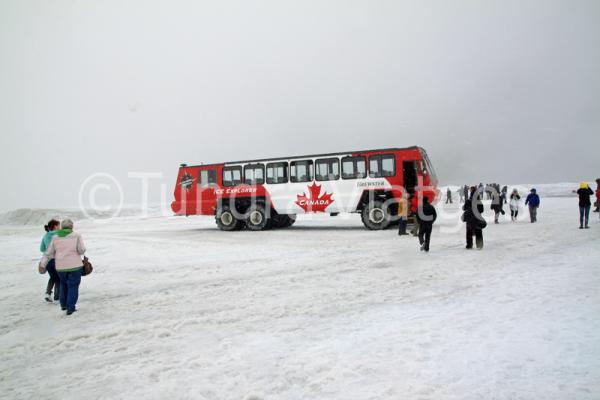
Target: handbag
481	223
87	266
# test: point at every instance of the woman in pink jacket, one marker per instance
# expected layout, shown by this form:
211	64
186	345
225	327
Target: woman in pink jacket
66	248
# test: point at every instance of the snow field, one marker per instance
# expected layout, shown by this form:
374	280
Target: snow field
322	310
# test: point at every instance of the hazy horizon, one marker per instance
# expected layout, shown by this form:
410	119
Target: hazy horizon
504	92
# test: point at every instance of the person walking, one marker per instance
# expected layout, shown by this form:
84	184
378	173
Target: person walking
533	201
597	195
414	207
53	279
66	248
584	192
448	195
475	223
515	199
497	205
504	193
402	215
426	216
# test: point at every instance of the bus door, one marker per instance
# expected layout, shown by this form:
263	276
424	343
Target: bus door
206	193
409	171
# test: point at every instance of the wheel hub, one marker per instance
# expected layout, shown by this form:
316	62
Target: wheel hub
256	217
376	215
227	218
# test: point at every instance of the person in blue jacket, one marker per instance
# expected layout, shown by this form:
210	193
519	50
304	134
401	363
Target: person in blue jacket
53	280
533	201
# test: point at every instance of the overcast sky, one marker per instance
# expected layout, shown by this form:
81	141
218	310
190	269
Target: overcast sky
505	91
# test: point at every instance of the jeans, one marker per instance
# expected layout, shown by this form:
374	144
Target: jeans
69	289
533	214
53	279
402	226
584	214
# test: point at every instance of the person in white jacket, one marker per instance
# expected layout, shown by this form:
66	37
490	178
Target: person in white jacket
66	248
515	198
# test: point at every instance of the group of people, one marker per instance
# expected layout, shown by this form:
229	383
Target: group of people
425	213
62	250
489	191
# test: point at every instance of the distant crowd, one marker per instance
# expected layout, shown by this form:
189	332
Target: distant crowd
473	208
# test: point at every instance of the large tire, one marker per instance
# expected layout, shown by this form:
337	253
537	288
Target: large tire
283	220
376	215
257	218
226	220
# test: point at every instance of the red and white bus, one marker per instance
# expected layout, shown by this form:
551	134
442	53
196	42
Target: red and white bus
269	193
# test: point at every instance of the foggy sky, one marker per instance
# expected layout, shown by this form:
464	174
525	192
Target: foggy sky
505	91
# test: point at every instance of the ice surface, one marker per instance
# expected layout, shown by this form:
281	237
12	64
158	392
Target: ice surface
324	310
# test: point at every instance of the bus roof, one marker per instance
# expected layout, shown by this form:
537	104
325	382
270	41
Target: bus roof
305	156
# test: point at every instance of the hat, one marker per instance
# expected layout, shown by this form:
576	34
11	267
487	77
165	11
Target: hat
583	185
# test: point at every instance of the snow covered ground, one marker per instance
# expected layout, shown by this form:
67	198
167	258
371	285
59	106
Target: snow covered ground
324	310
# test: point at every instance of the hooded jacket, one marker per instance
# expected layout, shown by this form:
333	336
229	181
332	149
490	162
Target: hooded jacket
470	217
584	196
533	200
427	214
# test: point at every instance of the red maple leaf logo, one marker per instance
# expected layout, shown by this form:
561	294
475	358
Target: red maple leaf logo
314	202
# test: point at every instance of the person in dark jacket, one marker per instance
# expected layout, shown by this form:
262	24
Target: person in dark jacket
584	192
426	216
473	208
504	194
448	196
533	201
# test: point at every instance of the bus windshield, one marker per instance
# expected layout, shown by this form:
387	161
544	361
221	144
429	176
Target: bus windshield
428	165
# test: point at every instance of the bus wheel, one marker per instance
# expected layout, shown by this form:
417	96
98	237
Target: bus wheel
226	221
256	218
376	215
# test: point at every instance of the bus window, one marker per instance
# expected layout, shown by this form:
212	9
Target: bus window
277	172
327	169
232	176
208	177
254	174
354	168
301	171
382	165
